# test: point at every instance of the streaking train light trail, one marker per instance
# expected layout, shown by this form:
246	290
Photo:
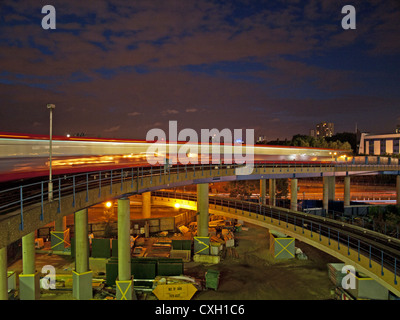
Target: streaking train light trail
25	156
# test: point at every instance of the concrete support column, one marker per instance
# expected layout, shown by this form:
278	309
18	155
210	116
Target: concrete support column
3	274
272	192
202	208
325	197
81	241
124	282
398	190
28	254
331	192
58	235
263	191
82	276
29	287
347	191
60	224
146	204
293	194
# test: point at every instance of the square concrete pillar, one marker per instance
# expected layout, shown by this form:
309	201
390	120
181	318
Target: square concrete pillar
272	192
124	290
59	240
3	274
263	191
82	288
29	286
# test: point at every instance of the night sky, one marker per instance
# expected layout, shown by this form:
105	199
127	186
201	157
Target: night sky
117	69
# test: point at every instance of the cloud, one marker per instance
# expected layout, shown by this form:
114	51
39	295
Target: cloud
247	64
112	129
191	110
134	114
170	111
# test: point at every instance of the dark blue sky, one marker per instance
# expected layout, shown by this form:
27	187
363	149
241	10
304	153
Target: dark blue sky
121	68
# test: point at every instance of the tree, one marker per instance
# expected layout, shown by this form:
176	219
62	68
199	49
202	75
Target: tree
282	188
343	137
108	217
241	189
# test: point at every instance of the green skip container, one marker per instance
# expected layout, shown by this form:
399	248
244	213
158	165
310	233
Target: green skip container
212	279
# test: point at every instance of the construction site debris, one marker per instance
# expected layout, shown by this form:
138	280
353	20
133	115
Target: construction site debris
139	241
185	255
139	252
230	253
300	254
205	258
183	229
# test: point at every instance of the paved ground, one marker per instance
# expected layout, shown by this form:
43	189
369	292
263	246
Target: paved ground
255	275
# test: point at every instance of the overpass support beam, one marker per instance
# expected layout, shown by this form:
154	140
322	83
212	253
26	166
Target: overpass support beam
293	194
202	209
29	286
124	283
3	274
398	190
60	224
58	235
263	191
347	191
331	192
82	276
146	204
325	197
272	192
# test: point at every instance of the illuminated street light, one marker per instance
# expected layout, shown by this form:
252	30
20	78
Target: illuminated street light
108	204
177	205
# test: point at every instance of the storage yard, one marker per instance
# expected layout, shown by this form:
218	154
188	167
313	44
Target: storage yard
240	265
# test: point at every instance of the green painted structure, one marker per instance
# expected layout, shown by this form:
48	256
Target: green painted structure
281	246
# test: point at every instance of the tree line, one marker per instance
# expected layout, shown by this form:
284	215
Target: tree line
343	141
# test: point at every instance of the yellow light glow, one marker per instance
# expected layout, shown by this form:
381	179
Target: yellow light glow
177	205
108	204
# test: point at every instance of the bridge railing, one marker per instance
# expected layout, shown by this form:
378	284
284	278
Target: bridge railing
18	198
317	229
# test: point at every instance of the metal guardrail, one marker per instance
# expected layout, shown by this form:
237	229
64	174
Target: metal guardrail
286	217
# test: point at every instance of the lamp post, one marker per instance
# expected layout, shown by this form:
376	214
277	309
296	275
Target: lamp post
51	107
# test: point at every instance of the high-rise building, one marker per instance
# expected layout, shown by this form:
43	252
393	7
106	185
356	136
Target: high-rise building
262	139
323	129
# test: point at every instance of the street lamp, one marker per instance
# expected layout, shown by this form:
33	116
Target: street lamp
51	107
